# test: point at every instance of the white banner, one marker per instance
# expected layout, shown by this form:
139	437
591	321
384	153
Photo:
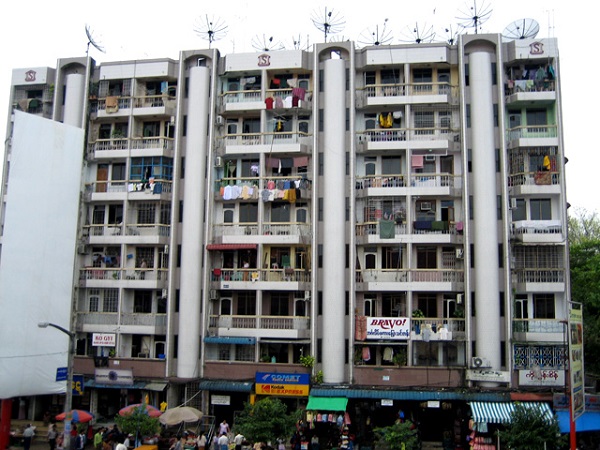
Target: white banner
104	339
538	377
396	328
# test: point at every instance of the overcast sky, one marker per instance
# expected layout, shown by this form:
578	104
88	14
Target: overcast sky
36	33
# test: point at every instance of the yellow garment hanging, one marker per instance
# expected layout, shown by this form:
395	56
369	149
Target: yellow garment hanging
389	121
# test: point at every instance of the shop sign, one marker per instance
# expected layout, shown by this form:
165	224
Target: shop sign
561	402
536	377
224	400
387	402
112	376
395	328
103	339
283	384
488	375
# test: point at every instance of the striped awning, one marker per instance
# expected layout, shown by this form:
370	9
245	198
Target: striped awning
500	412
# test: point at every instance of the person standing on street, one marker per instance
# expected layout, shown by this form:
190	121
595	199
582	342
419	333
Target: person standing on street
98	439
223	442
52	433
28	435
237	440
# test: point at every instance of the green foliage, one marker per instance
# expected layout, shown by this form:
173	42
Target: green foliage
318	377
529	430
583	226
400	357
267	420
138	421
307	361
400	436
418	313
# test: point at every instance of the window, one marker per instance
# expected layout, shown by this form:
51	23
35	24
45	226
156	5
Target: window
246	304
280	212
94	300
147	167
540	209
392	257
514	118
426	258
536	117
248	213
142	302
146	213
428	304
390	76
422	75
110	302
424	119
391	165
279	305
520	212
393	305
370	78
144	254
543	306
228	210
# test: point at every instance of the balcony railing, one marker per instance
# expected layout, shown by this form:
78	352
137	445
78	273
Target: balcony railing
405	89
101	273
260	322
532	132
529	227
435	180
104	318
154	101
408	134
122	103
380	181
135	143
538	326
537	178
129	230
456	326
287	274
516	86
241	97
274	138
533	275
410	275
158	186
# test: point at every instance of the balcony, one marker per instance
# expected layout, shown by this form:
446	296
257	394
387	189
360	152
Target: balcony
441	329
527	92
265	233
114	107
431	139
100	277
410	279
533	136
439	232
128	190
155	105
539	330
275	142
129	322
129	233
130	147
264	327
405	93
141	367
540	280
538	231
532	183
286	279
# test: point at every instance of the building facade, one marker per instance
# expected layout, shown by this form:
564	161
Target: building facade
396	212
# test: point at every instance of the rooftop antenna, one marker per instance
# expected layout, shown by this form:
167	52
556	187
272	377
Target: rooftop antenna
376	35
210	28
419	34
474	16
521	29
297	43
92	41
450	35
329	22
266	44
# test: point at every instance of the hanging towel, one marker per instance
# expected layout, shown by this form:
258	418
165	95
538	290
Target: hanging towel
360	332
387	229
417	161
366	354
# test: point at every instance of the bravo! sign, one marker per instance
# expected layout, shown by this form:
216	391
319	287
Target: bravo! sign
397	328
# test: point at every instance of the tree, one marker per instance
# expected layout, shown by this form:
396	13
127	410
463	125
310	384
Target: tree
583	226
400	436
138	423
529	429
266	421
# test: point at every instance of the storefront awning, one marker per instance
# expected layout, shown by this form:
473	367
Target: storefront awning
225	386
94	384
327	403
500	412
157	386
588	421
362	393
222	247
229	340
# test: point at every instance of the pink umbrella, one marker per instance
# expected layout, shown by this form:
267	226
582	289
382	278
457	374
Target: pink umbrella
147	409
76	415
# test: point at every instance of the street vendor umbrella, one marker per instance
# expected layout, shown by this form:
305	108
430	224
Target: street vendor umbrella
76	415
180	414
148	409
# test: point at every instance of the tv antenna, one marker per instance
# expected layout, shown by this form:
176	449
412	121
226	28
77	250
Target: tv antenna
210	28
450	35
329	22
92	41
521	29
419	34
376	35
474	16
297	43
266	44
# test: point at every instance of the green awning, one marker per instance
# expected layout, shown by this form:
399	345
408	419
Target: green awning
327	403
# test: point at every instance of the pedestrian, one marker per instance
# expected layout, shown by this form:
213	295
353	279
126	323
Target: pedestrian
98	438
237	440
224	427
52	434
120	445
201	443
28	435
80	440
224	442
127	441
215	442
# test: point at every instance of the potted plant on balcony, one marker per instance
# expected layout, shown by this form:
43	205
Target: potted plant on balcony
307	361
400	357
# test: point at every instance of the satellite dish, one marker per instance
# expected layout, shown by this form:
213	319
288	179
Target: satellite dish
329	22
418	34
474	16
376	35
266	44
92	41
210	28
521	29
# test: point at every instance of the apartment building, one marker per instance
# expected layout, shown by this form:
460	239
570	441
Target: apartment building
396	212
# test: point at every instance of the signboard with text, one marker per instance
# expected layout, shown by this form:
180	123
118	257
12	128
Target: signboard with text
395	328
104	339
576	377
282	384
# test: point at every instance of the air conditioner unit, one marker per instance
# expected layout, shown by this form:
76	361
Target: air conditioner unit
460	253
218	161
425	206
429	157
480	363
220	121
306	295
459	298
513	203
82	249
164	293
166	249
214	295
